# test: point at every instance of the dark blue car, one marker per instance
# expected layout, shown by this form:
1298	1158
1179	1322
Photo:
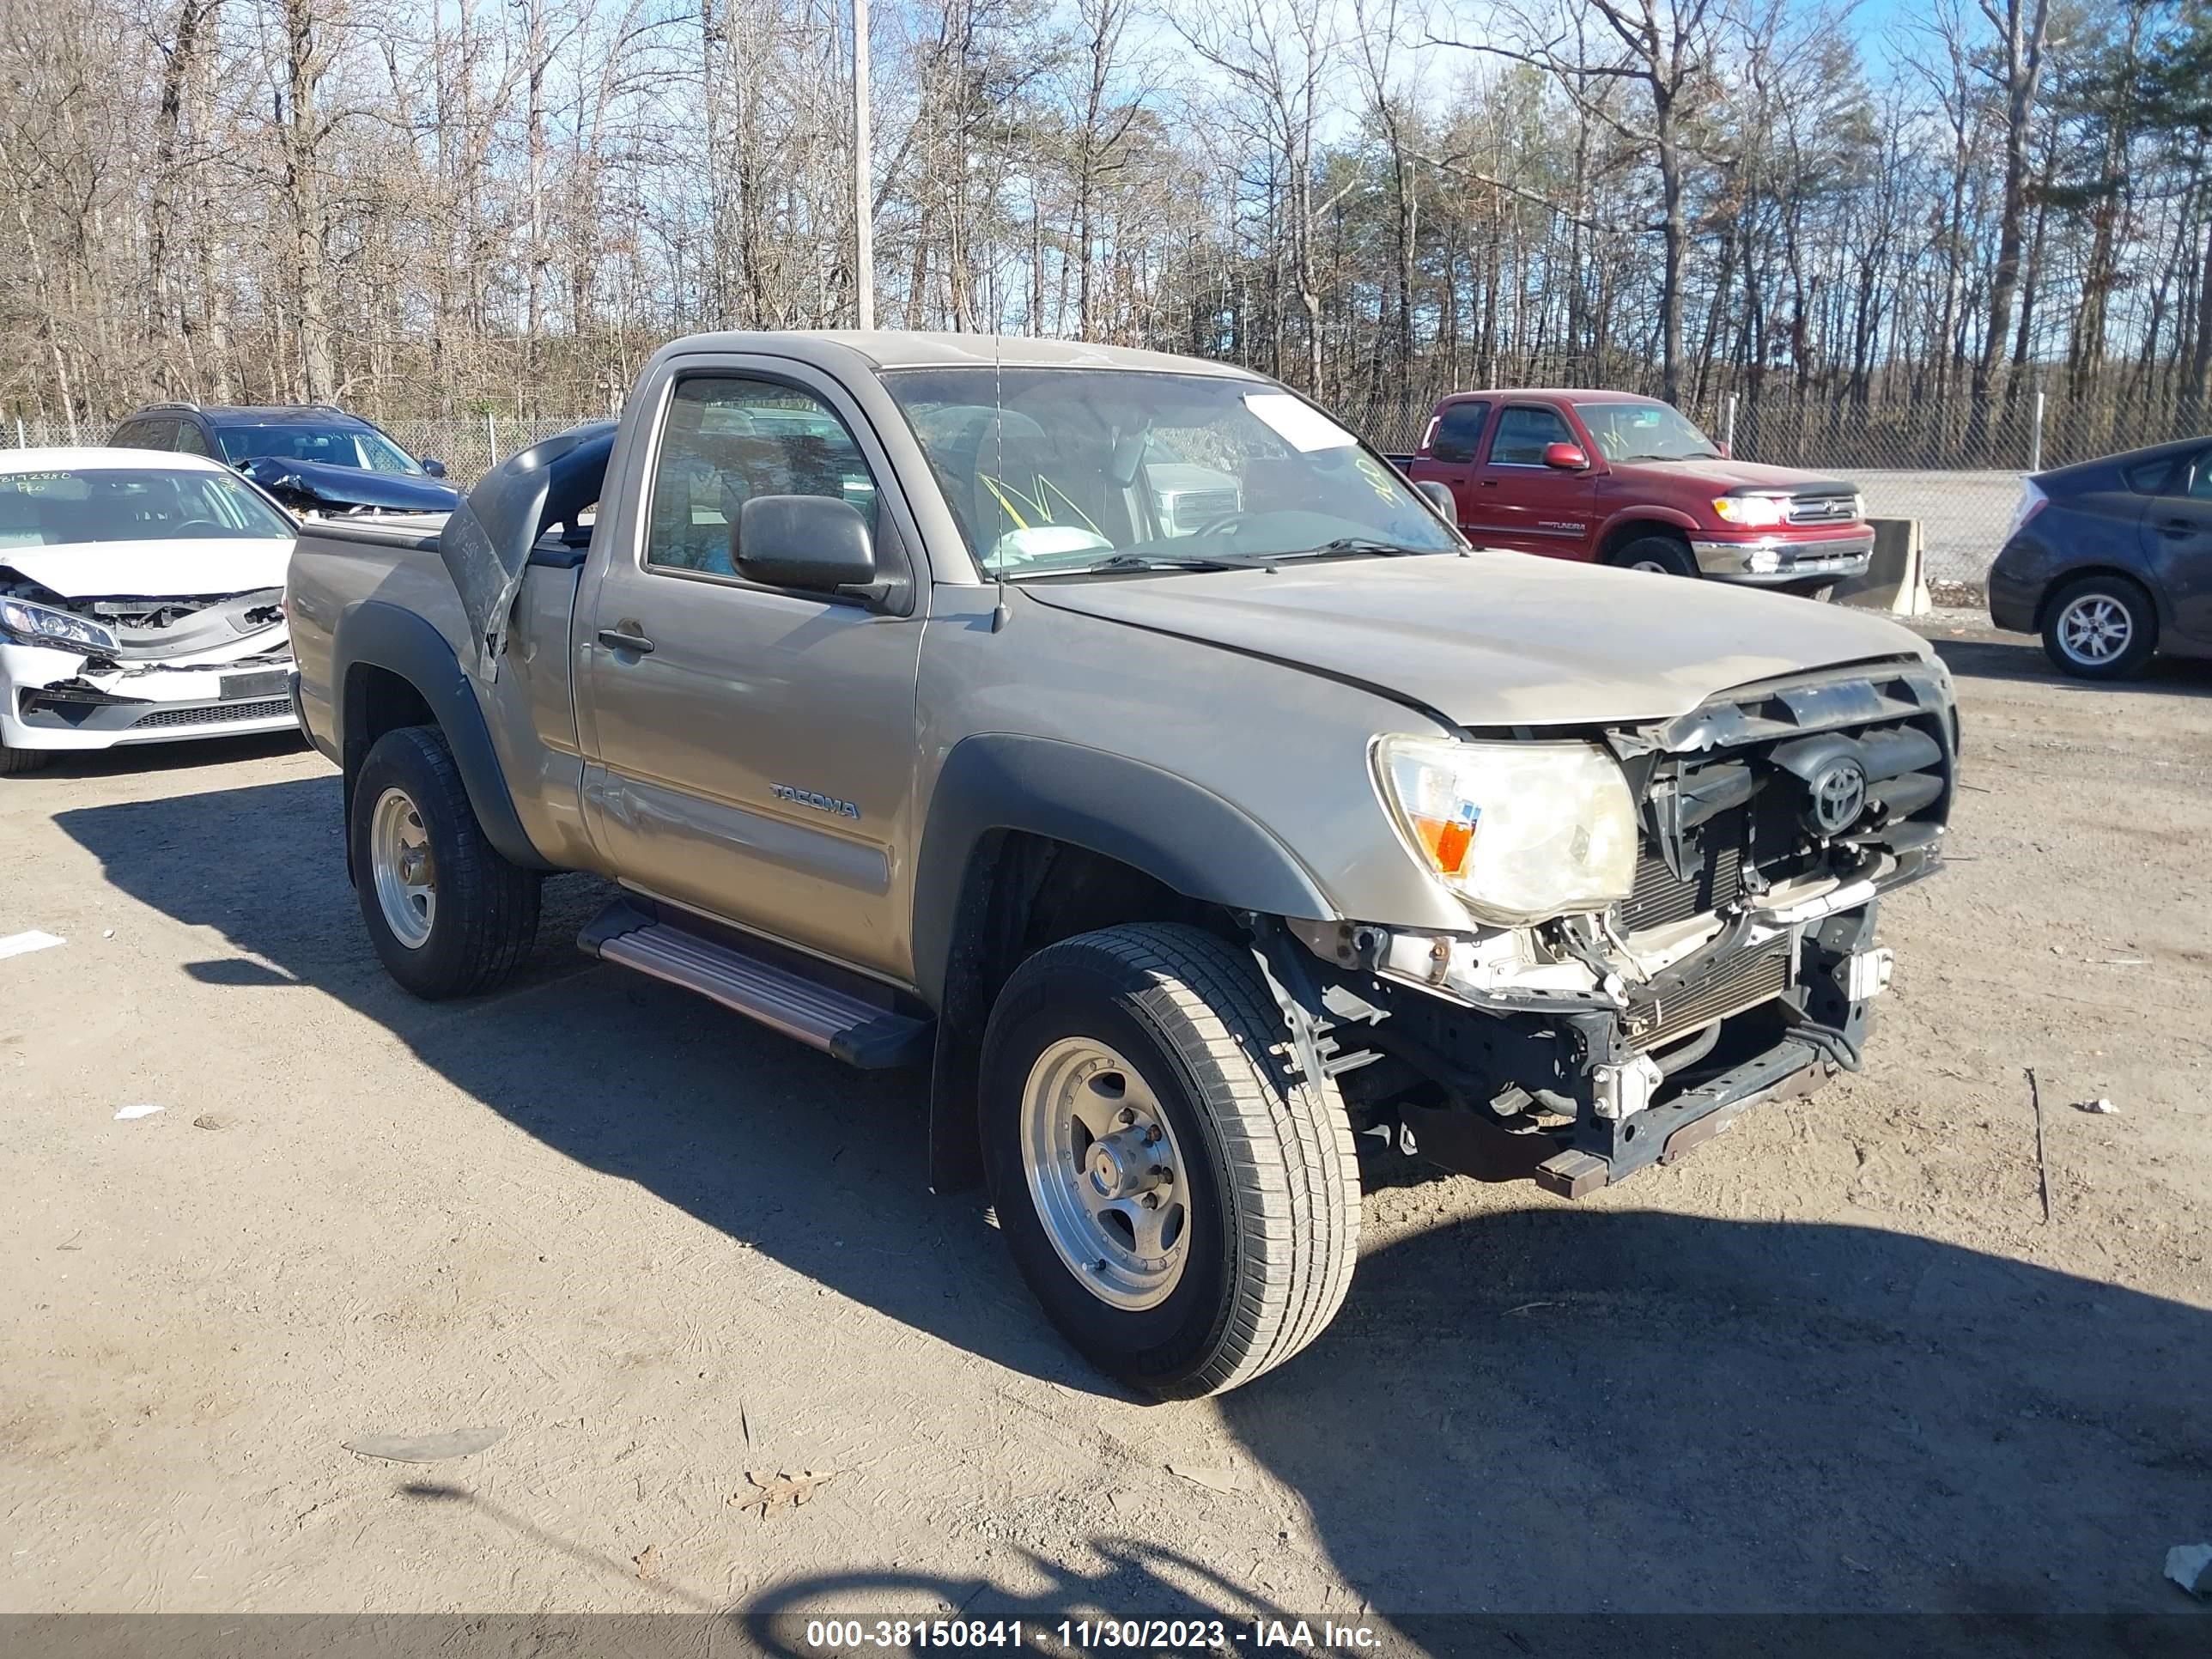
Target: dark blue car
2110	561
310	457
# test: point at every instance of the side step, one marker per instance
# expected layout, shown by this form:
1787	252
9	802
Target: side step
839	1021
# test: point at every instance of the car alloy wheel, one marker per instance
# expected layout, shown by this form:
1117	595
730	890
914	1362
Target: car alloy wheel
402	868
1105	1174
2095	630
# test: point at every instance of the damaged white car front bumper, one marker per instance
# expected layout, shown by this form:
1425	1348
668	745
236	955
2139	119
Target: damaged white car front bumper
58	697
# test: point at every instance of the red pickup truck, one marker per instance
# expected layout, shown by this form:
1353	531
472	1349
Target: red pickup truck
1622	480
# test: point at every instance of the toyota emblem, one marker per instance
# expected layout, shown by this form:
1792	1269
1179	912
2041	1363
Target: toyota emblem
1839	796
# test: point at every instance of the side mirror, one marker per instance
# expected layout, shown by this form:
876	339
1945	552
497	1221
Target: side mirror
815	543
432	467
1724	448
1567	458
1440	497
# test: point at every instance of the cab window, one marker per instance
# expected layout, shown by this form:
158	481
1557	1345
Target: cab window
1523	432
728	439
192	441
1459	431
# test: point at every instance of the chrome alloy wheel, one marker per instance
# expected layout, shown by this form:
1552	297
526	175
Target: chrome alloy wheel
1105	1174
400	865
2094	629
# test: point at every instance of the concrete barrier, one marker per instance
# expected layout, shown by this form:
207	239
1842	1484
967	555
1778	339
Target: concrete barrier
1897	577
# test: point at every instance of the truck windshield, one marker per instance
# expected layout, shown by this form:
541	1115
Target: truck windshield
1063	471
132	504
1645	432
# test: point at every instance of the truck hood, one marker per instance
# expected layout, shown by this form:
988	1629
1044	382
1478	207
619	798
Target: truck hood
1498	639
190	568
1720	476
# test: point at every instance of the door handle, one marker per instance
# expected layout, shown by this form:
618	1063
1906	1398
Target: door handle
2176	527
1489	484
626	636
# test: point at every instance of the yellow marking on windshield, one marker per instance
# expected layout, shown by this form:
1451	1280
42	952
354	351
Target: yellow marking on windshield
1040	503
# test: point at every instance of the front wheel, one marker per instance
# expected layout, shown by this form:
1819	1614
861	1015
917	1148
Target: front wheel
1663	556
13	763
446	914
1183	1203
2101	628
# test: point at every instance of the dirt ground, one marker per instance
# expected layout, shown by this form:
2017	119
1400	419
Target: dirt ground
1838	1360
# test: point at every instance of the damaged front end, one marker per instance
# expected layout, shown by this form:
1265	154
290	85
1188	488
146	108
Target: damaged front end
1740	967
81	672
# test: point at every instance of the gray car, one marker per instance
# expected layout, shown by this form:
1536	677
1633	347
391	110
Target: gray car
2110	561
923	715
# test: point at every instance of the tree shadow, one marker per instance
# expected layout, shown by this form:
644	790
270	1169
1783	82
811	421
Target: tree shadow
127	759
1550	1407
815	1164
2022	661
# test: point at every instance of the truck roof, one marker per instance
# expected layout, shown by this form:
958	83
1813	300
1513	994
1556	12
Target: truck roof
885	348
1570	394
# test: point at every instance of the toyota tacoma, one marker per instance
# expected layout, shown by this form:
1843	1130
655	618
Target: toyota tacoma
920	714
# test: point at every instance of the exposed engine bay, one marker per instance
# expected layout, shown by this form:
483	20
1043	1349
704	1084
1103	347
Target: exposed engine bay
110	668
156	630
1742	964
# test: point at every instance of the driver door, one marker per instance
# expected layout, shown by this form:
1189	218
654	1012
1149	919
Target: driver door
752	750
1519	502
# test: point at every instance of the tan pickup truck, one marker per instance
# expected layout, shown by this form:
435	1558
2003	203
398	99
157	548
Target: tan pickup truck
1116	737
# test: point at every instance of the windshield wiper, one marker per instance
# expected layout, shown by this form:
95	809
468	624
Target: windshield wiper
1166	562
1344	544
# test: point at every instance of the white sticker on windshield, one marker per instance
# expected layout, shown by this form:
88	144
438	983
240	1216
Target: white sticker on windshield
1300	425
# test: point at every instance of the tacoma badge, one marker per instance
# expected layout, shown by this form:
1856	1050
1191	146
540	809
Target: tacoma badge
830	803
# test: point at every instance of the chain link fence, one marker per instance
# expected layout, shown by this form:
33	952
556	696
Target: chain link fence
1954	464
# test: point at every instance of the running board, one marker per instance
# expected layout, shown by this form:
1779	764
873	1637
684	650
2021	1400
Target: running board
838	1022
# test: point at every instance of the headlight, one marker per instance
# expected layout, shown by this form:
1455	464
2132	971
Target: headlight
1520	831
33	624
1752	512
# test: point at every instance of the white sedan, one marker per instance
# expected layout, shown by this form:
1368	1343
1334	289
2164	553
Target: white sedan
141	601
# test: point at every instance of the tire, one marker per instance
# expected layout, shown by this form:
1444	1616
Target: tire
13	763
1663	553
480	916
2079	626
1264	1172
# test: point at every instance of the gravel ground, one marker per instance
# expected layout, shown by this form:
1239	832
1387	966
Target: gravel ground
1838	1360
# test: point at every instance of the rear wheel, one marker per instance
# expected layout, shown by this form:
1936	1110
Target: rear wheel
13	763
1183	1202
2101	628
1662	555
446	914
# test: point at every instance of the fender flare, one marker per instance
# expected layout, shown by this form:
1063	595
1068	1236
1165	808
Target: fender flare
1632	519
376	634
1175	830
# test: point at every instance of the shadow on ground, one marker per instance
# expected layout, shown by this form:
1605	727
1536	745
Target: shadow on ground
1548	1408
2023	661
132	757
